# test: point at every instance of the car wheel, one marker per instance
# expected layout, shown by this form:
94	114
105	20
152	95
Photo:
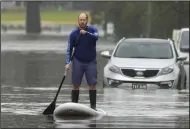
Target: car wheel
103	84
179	84
185	82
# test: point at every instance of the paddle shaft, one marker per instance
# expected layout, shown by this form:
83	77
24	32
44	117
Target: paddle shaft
65	74
66	70
50	109
60	86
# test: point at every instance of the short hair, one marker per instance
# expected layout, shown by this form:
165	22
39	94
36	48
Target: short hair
85	14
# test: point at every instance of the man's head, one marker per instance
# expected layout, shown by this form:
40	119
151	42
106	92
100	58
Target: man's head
82	20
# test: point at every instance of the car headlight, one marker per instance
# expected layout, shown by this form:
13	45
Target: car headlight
167	70
114	69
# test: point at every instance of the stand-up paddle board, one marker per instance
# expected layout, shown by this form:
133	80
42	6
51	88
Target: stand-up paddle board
76	109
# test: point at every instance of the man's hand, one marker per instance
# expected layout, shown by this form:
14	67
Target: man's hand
67	67
83	31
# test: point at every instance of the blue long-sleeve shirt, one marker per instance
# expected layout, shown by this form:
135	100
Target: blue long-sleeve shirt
85	50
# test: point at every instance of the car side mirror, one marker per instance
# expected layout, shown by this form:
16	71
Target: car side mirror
105	54
181	58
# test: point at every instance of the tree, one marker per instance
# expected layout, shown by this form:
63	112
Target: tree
132	19
33	17
182	14
99	14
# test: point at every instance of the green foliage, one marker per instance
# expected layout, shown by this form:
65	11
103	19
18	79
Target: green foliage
97	17
131	19
18	15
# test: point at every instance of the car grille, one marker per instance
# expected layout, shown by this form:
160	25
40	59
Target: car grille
133	73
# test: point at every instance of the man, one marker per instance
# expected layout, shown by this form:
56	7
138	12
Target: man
83	39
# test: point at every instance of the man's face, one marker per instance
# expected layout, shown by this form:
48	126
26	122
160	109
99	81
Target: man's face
82	21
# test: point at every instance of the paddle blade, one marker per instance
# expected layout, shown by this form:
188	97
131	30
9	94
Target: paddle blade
50	109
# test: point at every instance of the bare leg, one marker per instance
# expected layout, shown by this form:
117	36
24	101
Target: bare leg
92	87
76	87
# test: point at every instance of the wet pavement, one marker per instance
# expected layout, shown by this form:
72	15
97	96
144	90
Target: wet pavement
30	75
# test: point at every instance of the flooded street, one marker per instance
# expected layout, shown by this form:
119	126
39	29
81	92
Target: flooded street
31	72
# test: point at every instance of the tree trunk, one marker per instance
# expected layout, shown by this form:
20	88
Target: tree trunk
33	17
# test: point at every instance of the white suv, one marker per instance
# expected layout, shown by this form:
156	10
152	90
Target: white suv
143	61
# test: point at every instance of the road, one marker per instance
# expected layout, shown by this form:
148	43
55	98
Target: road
30	75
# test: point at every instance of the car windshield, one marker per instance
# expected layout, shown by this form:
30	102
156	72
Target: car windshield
184	43
144	50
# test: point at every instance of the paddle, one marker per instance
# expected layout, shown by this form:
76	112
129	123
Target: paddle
50	109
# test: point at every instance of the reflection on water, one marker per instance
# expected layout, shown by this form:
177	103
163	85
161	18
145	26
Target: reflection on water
30	81
35	69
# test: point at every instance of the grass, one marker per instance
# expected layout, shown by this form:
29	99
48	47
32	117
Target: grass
54	16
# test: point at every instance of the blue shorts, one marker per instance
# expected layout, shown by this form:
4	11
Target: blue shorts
78	70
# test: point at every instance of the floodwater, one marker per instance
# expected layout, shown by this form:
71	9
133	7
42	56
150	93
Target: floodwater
31	72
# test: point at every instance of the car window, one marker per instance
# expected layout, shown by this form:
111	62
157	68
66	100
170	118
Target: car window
144	50
184	40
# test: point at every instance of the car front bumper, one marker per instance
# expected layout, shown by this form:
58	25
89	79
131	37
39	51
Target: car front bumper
170	80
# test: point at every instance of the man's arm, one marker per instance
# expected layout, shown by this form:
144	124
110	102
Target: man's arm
95	34
69	49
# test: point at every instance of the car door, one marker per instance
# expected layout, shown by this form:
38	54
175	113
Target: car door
181	67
